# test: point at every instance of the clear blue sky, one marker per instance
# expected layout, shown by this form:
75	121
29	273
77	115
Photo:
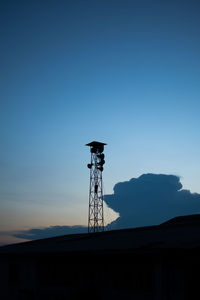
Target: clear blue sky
126	73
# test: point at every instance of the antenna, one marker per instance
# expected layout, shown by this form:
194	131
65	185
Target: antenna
95	215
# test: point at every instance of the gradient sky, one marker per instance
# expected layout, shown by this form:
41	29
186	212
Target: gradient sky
126	73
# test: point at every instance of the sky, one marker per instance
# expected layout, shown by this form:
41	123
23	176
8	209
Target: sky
126	73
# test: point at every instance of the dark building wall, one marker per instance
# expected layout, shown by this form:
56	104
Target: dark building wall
107	276
101	274
18	277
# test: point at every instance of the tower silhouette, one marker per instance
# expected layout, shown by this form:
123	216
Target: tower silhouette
95	214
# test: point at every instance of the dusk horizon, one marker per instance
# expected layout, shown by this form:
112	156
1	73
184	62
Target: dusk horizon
139	208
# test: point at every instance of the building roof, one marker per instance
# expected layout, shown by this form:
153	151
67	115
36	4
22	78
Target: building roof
190	219
169	235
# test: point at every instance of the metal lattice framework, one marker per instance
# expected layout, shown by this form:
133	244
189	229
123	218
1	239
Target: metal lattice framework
96	215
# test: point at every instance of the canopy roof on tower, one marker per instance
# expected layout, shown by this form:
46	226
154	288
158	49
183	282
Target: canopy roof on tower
95	144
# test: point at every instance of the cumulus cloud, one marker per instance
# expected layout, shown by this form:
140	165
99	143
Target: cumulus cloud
151	199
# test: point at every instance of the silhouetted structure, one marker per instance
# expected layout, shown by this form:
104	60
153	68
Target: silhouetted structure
95	215
155	262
